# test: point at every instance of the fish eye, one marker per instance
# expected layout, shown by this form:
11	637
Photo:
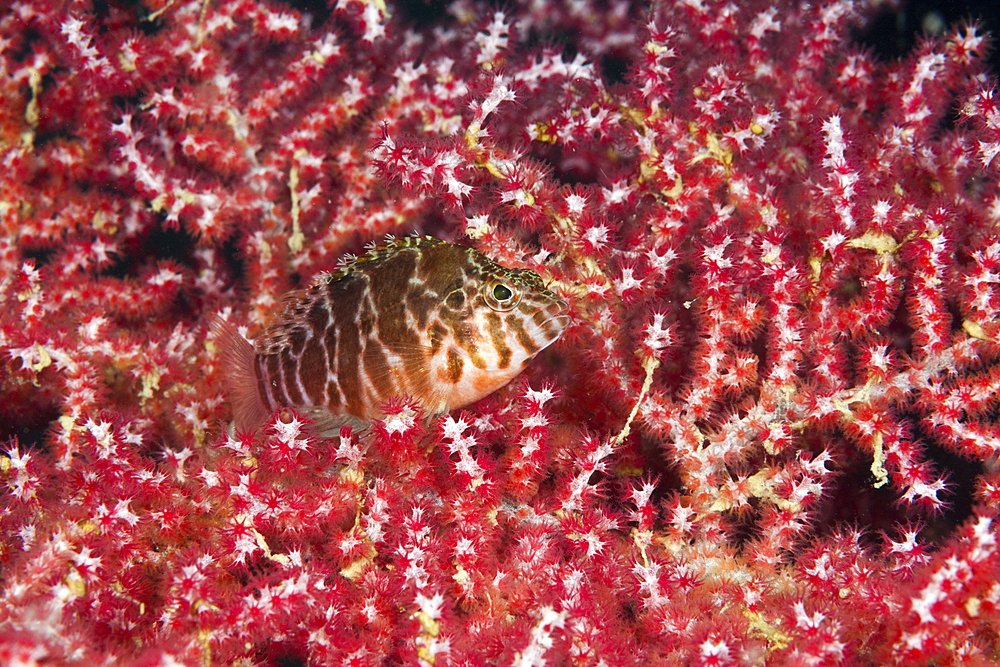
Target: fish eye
501	296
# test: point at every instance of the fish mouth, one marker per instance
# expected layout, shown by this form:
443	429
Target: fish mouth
554	325
561	321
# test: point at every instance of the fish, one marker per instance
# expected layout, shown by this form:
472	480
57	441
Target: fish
414	318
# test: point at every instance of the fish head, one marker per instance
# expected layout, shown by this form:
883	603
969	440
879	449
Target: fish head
504	318
514	311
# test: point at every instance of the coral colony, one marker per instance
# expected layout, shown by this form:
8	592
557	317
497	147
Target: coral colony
767	436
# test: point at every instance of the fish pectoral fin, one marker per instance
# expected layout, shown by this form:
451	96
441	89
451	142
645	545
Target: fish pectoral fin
408	372
435	403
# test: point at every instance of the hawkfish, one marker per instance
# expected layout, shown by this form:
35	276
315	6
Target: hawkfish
413	318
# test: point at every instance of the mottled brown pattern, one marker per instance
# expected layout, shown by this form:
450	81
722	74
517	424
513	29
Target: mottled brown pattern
414	317
390	307
313	370
330	347
455	299
333	396
348	369
343	338
421	304
517	326
376	368
289	379
455	366
462	336
297	342
436	335
274	375
348	364
498	338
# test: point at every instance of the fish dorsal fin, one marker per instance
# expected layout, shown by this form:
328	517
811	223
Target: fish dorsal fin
292	318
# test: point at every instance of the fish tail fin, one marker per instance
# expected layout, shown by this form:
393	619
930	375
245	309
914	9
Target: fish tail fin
238	360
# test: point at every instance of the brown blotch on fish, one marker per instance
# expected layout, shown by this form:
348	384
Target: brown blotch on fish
499	339
516	325
414	318
455	365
